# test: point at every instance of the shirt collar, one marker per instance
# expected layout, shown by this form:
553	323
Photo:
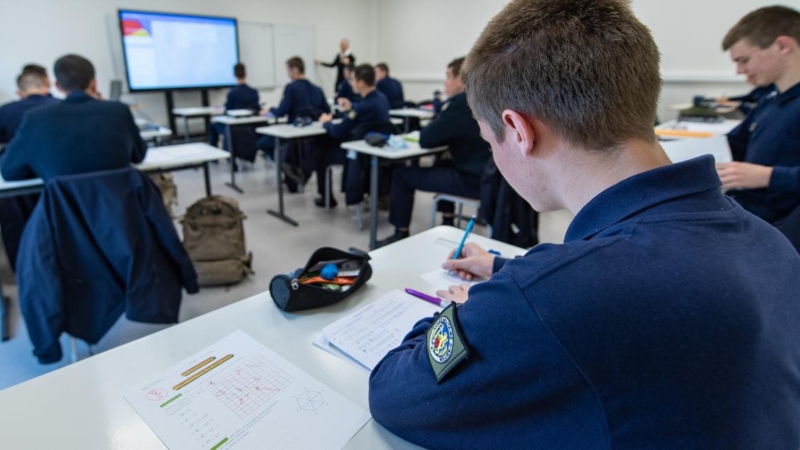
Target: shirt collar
640	192
78	95
790	94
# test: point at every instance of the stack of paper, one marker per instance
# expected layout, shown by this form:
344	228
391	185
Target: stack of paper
369	333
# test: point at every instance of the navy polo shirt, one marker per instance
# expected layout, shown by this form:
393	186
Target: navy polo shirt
393	91
668	319
242	96
770	136
374	108
301	99
11	114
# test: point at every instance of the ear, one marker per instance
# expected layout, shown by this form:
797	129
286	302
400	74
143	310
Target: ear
519	131
785	44
93	85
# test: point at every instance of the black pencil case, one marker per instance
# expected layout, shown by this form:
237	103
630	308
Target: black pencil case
289	294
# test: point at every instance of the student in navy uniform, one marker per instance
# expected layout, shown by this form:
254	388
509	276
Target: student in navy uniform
80	134
345	88
765	177
240	96
748	102
456	128
344	58
301	99
34	92
373	109
667	319
391	88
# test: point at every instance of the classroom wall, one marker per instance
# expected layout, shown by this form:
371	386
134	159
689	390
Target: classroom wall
688	32
42	30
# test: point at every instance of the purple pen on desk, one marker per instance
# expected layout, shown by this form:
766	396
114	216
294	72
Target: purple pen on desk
427	298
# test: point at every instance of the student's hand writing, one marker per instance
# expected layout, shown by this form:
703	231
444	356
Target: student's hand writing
474	262
345	104
739	175
458	293
325	118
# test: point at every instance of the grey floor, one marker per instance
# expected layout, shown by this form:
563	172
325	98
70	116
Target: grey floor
276	246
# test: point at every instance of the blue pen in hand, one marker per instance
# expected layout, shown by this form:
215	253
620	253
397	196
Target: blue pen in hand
457	254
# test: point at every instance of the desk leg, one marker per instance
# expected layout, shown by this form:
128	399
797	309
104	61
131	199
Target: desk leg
186	129
207	178
4	325
373	202
279	169
232	184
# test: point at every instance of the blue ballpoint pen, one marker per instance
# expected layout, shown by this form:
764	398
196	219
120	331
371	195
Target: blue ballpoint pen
464	239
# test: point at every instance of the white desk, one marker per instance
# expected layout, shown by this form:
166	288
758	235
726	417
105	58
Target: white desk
407	113
201	111
287	133
715	128
155	134
414	151
81	406
230	122
158	159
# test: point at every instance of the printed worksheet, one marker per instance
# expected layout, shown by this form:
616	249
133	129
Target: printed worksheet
239	394
368	334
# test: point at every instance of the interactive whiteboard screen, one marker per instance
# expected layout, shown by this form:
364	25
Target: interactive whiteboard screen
177	51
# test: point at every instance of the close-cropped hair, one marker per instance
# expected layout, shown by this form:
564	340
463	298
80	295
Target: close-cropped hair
587	69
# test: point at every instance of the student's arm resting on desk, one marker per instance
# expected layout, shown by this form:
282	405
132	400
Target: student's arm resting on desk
14	162
342	131
286	102
441	130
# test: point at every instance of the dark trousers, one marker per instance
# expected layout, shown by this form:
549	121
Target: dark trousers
215	131
267	145
14	214
357	178
324	156
446	180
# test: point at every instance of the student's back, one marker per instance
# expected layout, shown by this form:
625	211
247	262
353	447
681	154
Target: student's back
242	96
11	114
393	91
80	134
301	98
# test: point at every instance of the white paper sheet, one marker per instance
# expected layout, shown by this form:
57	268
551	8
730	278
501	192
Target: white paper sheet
685	149
369	333
321	342
238	394
441	279
724	127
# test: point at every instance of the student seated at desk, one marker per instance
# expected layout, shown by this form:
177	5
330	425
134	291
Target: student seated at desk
301	100
241	96
391	88
668	317
80	134
765	177
456	128
371	112
345	88
34	92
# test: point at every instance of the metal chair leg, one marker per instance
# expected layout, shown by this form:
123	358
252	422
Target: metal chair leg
434	208
458	217
328	178
359	217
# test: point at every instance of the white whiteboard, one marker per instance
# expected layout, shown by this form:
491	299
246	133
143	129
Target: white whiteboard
294	40
256	51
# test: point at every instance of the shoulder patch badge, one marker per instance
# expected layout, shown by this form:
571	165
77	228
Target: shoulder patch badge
352	115
445	106
446	346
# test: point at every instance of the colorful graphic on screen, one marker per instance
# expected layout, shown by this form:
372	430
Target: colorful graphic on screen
174	51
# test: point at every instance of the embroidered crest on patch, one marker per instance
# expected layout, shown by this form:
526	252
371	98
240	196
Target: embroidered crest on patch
446	347
352	115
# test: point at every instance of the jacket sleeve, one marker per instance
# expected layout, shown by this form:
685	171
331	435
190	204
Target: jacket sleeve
341	131
14	163
334	63
785	179
739	137
441	130
139	148
286	103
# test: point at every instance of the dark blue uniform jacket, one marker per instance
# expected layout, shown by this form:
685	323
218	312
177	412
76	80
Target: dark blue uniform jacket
393	90
770	136
98	245
374	108
11	114
301	99
77	135
242	96
667	320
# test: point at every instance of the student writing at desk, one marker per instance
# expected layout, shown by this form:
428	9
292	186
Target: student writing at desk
34	91
371	112
80	134
301	100
391	88
667	319
765	177
240	96
456	128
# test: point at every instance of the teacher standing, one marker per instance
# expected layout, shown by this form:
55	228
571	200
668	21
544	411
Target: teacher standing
344	58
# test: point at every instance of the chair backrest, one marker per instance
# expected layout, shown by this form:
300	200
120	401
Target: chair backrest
373	127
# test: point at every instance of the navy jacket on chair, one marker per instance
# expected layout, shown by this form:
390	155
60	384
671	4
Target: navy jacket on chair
98	245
